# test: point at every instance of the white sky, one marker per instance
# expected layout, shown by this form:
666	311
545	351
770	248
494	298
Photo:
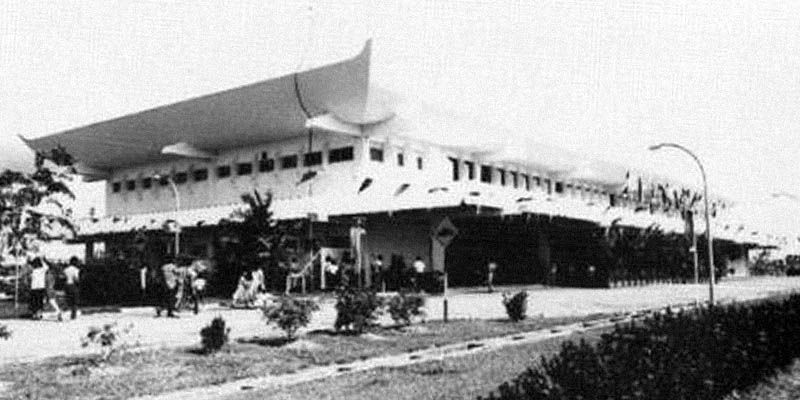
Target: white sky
603	78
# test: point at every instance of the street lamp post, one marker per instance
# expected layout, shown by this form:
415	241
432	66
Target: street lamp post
707	215
177	209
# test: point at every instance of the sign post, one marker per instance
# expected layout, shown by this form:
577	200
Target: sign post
444	233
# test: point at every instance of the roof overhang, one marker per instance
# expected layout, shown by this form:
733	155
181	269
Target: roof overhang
265	111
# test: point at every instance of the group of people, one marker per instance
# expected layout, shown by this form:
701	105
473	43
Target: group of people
250	289
43	287
177	282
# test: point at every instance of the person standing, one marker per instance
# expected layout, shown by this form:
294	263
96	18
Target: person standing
38	287
72	275
491	267
169	270
419	271
52	296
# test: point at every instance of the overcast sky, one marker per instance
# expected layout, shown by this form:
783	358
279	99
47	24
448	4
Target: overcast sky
603	78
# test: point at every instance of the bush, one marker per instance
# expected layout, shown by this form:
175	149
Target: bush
356	309
516	305
698	354
214	335
403	307
107	338
290	314
5	334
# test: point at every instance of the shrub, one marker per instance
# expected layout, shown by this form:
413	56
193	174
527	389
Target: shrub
356	309
290	314
5	334
698	354
403	307
107	338
214	335
516	305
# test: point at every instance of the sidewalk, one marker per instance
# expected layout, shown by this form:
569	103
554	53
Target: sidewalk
33	340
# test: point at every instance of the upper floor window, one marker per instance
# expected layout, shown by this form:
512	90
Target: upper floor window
116	187
289	162
548	185
266	164
401	160
181	177
514	179
470	169
559	187
223	171
130	185
419	162
163	180
537	181
200	175
311	159
502	173
455	162
244	168
376	154
340	154
526	181
147	183
486	174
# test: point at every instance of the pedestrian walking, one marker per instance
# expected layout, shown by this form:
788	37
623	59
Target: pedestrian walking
72	278
169	271
491	267
38	287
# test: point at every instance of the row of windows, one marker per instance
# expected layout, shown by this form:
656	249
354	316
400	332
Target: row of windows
376	154
265	164
516	179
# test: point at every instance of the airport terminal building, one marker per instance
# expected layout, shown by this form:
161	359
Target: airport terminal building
339	152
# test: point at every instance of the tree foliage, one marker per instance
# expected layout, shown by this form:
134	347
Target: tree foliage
31	204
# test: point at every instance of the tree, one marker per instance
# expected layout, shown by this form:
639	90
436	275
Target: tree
31	207
253	238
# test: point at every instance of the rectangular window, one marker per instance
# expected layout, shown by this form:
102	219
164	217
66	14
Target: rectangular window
537	181
559	187
223	171
147	183
455	162
289	162
419	162
244	168
116	187
376	154
340	154
486	174
401	159
526	181
163	180
200	175
312	159
514	180
130	185
548	185
266	165
502	173
470	169
181	177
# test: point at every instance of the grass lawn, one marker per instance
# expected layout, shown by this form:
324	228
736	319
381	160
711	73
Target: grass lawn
465	377
161	370
783	386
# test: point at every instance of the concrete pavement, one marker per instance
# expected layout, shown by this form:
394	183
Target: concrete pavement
33	340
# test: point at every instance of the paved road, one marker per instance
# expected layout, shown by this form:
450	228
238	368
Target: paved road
38	339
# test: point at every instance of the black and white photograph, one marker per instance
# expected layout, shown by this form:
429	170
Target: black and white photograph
400	199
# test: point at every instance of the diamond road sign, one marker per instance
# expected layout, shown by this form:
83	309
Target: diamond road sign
445	232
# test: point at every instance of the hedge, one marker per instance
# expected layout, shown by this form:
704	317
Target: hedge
699	354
